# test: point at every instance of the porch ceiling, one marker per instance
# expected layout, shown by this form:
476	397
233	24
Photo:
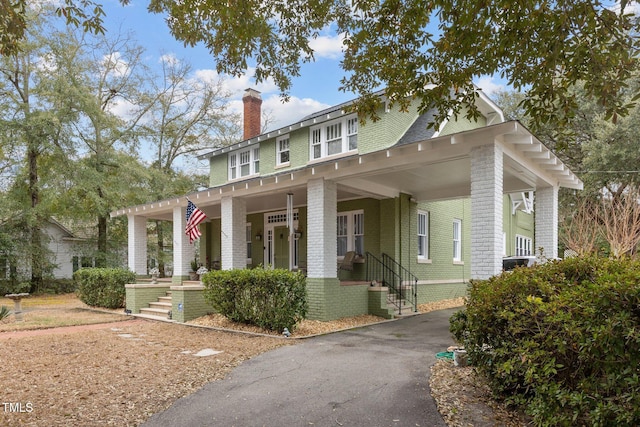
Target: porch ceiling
435	169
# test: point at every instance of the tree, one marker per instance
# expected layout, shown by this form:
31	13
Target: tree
31	121
546	47
415	48
109	94
190	116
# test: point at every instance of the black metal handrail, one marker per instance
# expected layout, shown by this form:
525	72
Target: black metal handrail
400	281
408	281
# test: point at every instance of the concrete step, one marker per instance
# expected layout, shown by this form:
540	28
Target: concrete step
160	304
153	317
165	299
155	312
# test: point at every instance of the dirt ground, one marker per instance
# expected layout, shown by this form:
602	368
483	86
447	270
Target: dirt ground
121	373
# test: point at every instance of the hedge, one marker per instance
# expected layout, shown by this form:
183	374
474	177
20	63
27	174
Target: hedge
270	299
561	340
102	287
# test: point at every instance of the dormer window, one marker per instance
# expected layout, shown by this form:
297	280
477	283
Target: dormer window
244	163
334	137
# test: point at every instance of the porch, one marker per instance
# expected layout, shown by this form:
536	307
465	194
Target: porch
309	218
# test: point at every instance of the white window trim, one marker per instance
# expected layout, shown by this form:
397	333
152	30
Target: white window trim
323	138
278	151
457	241
254	153
426	257
351	236
526	248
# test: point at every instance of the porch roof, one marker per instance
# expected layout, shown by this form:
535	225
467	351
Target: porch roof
436	168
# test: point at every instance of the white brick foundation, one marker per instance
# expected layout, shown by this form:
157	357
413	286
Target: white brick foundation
486	211
546	211
234	233
322	208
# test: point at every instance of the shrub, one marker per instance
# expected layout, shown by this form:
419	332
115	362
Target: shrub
102	287
270	299
561	339
12	287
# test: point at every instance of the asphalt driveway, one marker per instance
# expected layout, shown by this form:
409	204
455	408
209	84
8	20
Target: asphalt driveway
372	376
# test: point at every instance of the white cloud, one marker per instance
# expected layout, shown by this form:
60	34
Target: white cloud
280	114
489	86
284	114
327	46
633	7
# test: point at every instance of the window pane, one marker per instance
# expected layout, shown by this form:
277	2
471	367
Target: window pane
334	147
284	157
359	245
342	245
352	132
245	170
342	230
353	142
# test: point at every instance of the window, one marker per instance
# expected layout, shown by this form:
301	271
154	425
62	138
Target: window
335	137
457	240
282	147
352	133
248	237
244	163
350	231
523	246
423	235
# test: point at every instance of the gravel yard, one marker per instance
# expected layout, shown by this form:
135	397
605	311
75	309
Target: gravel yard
121	373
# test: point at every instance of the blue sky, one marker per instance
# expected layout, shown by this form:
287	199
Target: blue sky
315	89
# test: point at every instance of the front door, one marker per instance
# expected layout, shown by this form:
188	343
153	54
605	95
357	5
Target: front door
281	247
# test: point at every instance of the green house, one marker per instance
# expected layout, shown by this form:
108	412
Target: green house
375	215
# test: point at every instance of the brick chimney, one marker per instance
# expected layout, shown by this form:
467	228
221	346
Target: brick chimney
252	103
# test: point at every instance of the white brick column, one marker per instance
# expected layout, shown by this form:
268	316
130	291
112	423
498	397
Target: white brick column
137	244
486	211
322	208
183	251
234	233
546	226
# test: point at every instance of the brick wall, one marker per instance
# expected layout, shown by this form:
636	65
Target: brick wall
188	303
140	295
137	244
234	232
546	208
486	205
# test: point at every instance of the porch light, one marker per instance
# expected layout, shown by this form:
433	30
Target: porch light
258	236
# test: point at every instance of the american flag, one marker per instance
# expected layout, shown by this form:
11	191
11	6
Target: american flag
194	217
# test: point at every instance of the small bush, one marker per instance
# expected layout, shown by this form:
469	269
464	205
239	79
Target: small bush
102	287
4	312
562	340
270	299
